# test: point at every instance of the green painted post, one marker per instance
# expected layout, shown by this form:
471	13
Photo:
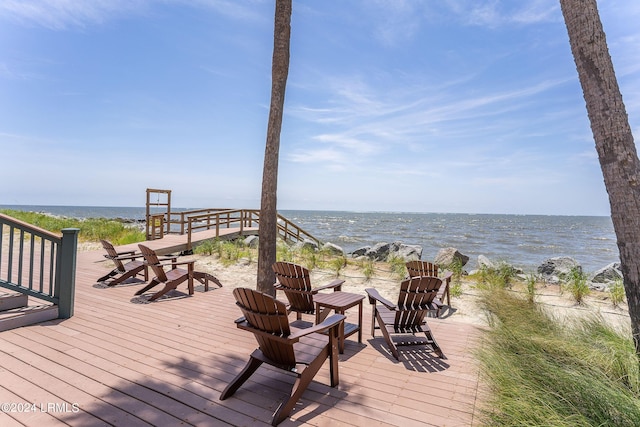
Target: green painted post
66	286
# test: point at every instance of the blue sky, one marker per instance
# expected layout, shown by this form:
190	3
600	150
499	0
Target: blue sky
417	106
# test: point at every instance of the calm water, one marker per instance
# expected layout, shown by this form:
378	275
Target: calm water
523	240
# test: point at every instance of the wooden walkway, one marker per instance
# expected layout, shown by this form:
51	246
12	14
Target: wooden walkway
176	243
165	364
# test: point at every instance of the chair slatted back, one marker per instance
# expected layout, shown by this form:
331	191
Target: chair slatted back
296	284
266	314
113	255
152	260
421	268
414	300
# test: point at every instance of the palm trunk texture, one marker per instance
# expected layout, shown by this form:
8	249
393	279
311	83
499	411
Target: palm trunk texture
268	205
613	139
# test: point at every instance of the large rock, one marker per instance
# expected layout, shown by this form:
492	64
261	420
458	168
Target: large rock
558	268
484	262
408	252
360	251
252	241
382	251
607	274
333	249
448	256
379	252
307	245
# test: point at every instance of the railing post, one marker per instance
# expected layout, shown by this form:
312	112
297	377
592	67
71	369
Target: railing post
66	285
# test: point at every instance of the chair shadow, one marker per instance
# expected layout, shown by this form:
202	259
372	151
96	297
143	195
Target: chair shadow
131	281
351	346
446	312
169	296
414	358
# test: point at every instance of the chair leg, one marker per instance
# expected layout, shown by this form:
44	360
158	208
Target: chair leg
204	278
433	342
373	321
333	356
151	284
387	337
105	277
125	276
285	408
243	376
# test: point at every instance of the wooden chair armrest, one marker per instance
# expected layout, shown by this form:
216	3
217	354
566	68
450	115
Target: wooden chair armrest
172	263
328	323
374	296
446	276
337	284
126	253
122	258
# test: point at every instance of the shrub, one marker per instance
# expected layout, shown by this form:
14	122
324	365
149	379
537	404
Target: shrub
397	266
577	285
531	281
617	293
337	264
208	247
368	269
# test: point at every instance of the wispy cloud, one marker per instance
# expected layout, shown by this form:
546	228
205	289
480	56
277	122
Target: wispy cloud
498	13
366	124
65	14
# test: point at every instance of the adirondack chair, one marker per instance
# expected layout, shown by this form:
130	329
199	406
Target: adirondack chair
298	351
174	276
426	268
295	282
401	322
128	265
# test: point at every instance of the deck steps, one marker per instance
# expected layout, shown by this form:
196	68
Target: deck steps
16	310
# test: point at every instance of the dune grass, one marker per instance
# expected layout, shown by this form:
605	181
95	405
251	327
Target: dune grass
543	372
91	230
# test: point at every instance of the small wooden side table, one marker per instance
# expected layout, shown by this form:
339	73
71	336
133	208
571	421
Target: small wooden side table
340	302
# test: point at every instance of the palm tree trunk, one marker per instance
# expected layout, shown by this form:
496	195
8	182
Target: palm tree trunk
268	205
613	138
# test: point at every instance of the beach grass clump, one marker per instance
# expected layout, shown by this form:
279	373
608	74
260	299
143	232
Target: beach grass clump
309	258
336	264
91	229
397	265
544	372
617	293
284	252
456	267
368	268
208	247
531	282
577	285
455	290
499	276
230	251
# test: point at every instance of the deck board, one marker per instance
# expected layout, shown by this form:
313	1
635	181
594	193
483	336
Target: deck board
166	363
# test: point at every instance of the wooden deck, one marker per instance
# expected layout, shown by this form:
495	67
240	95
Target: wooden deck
165	364
175	243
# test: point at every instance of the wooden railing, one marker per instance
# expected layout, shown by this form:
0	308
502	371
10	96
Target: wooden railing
39	263
193	221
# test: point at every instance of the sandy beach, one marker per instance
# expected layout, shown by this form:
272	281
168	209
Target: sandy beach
464	308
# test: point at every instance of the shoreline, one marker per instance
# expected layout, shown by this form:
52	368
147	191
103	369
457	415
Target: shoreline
524	241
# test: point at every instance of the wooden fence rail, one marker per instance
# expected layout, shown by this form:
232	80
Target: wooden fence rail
39	263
